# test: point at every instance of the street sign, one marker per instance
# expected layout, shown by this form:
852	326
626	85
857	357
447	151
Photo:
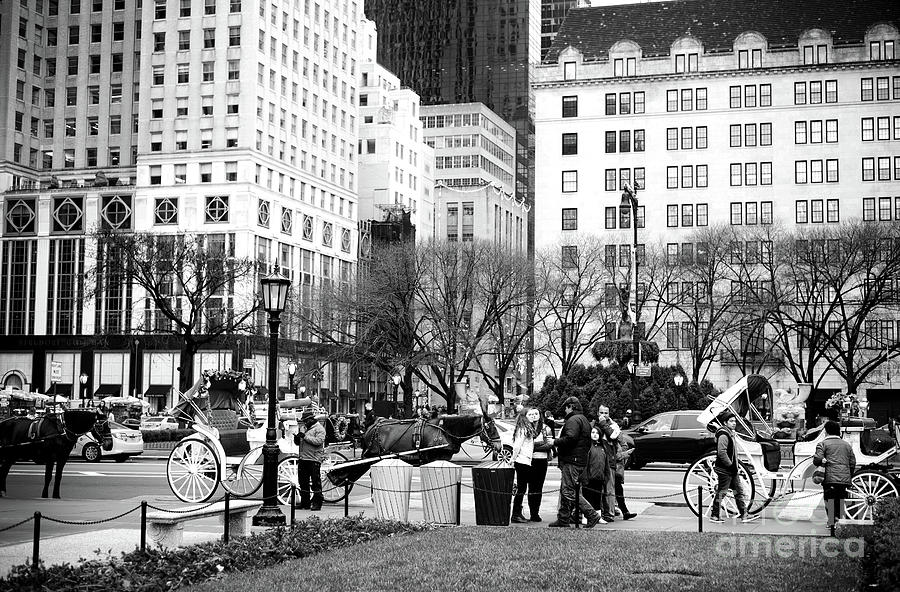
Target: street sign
55	371
249	364
642	370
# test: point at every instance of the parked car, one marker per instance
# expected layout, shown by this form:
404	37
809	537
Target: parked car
674	436
126	442
161	422
132	423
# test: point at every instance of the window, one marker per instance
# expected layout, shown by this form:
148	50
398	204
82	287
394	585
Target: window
624	141
570	106
568	70
159	9
570	143
208	71
734	101
209	6
687	215
217	208
736	174
868	169
610	142
831	92
801	212
800	172
672	138
833	211
234	36
569	256
672	100
736	213
234	69
639	141
831	130
209	38
570	219
815	93
159	75
815	171
183	73
610	217
672	216
569	181
866	91
672	177
831	171
799	93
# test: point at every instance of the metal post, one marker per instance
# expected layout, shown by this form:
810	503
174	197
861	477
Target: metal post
346	499
143	526
227	517
636	345
699	508
458	502
270	514
293	503
36	546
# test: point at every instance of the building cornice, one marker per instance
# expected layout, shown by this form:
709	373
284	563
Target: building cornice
753	72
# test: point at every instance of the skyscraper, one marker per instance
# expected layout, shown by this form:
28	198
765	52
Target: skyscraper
466	51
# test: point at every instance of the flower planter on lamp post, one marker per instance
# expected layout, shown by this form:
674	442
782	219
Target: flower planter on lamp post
274	292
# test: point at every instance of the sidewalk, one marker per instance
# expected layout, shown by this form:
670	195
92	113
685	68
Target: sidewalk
125	537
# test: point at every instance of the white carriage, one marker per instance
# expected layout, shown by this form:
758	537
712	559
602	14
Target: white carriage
762	472
227	444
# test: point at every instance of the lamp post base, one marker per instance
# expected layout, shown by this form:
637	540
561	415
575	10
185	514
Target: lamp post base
269	516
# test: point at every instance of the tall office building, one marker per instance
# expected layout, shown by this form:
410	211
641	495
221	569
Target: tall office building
456	51
234	120
740	112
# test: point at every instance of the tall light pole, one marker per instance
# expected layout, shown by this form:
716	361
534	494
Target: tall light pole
274	292
629	205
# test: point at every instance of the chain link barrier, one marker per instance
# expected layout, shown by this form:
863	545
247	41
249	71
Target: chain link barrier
11	526
88	522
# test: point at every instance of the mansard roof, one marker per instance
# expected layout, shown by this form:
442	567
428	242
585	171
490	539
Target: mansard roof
716	23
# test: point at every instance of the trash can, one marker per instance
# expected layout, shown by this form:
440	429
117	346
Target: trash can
440	482
391	483
492	483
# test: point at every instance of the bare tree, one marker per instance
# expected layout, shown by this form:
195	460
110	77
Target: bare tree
506	291
861	264
191	286
704	300
572	283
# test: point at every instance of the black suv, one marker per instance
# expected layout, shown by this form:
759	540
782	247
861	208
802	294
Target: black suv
674	436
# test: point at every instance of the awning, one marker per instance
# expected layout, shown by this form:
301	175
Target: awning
158	390
60	388
108	390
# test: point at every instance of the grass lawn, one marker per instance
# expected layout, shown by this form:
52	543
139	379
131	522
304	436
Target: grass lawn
543	559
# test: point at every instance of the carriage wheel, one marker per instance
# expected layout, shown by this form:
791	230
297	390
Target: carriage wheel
331	493
766	493
702	474
193	471
287	479
866	488
245	478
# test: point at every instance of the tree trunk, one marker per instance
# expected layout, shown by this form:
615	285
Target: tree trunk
186	366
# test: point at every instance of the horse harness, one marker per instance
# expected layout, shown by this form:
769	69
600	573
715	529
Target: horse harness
34	430
418	426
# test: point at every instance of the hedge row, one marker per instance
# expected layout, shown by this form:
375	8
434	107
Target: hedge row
881	562
171	569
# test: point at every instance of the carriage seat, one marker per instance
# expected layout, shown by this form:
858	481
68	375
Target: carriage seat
875	442
232	437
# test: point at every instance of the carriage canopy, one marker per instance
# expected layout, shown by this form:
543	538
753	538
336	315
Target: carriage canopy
744	398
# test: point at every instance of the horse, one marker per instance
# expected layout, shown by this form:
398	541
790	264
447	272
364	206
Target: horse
48	441
425	441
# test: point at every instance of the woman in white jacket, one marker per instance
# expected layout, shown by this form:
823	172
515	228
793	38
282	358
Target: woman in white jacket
532	443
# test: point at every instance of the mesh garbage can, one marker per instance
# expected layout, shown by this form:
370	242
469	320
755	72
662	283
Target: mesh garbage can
492	483
391	483
440	481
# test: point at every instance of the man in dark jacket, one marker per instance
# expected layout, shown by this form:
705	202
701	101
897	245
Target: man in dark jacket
572	446
836	455
726	468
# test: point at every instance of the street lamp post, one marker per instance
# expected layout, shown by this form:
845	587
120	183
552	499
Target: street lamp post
292	369
274	292
83	380
629	205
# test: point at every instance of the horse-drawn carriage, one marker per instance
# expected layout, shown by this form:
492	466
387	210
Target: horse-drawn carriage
227	445
765	479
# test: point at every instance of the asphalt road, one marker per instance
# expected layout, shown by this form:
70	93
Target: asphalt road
97	491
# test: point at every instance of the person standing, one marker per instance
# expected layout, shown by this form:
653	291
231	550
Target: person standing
522	452
837	457
540	459
609	432
596	472
726	467
311	442
624	449
573	444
